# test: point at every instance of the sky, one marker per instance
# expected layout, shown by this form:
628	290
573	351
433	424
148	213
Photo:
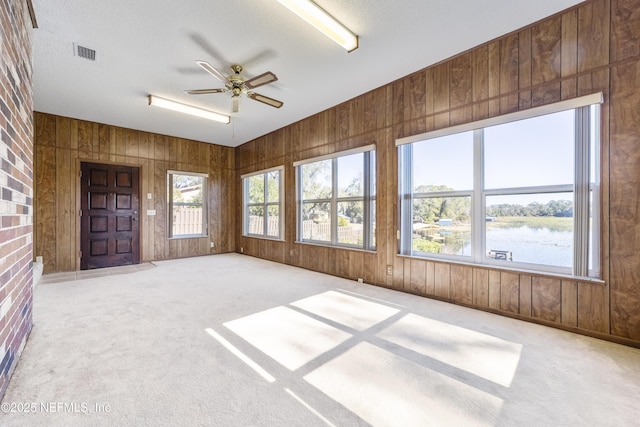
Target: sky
533	152
349	168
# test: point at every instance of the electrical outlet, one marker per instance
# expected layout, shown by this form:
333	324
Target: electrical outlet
241	250
360	280
212	245
389	270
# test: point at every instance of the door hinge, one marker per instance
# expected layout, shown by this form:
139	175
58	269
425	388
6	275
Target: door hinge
80	254
80	212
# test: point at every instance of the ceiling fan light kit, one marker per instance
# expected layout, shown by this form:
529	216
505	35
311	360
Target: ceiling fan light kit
325	23
238	85
188	109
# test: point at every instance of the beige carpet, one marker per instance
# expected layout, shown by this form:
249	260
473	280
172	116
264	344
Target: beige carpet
232	340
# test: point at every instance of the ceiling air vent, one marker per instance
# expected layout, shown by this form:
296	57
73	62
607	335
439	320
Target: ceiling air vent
85	52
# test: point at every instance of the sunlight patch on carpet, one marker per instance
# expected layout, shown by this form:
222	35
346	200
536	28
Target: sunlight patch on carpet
486	356
309	407
347	310
388	390
289	337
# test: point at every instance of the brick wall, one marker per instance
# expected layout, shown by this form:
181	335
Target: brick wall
16	184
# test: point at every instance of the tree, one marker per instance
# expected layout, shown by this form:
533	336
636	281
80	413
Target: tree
187	189
316	184
431	209
256	187
555	208
535	209
183	181
561	208
355	209
316	180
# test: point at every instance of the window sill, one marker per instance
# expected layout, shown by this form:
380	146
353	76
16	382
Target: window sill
327	245
188	236
539	273
261	237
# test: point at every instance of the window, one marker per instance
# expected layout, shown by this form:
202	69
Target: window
263	203
519	190
336	199
187	204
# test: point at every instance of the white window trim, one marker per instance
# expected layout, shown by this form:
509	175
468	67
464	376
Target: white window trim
581	189
280	203
370	147
262	172
569	104
369	195
176	172
205	205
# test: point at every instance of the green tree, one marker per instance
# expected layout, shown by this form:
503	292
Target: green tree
183	181
561	208
431	209
187	188
535	209
428	246
256	187
355	209
554	208
316	184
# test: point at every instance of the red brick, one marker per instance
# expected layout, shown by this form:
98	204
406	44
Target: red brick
16	133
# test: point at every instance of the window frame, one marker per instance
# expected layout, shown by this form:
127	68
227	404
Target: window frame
368	199
585	189
245	179
204	204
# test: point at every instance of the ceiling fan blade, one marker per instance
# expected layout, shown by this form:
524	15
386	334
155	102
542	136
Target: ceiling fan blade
260	80
205	91
209	69
235	104
265	99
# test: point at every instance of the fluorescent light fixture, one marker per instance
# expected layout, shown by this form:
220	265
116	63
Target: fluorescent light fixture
187	109
314	15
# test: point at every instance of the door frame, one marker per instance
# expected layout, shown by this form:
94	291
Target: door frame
78	205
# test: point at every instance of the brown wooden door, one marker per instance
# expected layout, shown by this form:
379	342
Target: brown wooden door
109	226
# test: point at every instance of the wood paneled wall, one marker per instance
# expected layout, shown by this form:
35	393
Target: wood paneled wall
61	144
592	47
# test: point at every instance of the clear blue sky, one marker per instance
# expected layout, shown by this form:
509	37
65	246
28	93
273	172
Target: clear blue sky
534	152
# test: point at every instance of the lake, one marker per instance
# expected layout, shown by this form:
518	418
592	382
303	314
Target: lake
536	245
533	245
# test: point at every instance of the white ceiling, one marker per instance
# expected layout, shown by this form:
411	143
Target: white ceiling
149	47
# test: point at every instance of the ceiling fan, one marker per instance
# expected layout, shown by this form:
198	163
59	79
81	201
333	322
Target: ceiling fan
238	85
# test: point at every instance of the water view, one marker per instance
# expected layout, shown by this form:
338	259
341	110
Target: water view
537	240
533	244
